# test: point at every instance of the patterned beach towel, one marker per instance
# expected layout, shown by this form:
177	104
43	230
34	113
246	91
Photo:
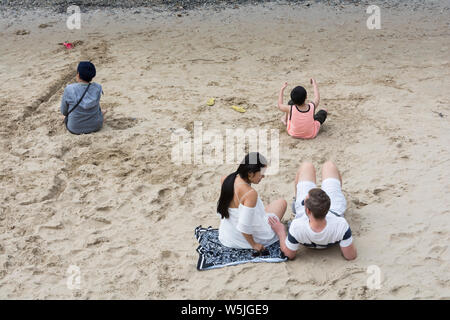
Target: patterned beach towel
212	254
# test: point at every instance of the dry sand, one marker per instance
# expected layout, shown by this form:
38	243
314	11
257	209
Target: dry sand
114	204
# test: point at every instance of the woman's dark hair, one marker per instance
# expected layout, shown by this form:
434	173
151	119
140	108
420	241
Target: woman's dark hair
252	163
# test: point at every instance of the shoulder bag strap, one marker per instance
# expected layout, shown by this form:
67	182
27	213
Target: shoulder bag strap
84	93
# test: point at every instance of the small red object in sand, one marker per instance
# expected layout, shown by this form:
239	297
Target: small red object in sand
68	45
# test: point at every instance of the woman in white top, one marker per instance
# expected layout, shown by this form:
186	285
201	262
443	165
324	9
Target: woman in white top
244	222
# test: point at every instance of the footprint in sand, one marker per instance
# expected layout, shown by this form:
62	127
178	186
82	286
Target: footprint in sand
166	254
96	242
359	203
45	25
58	187
122	123
22	32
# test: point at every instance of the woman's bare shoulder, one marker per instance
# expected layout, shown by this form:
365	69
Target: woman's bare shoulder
248	196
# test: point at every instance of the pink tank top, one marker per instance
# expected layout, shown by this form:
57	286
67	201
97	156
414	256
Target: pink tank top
301	124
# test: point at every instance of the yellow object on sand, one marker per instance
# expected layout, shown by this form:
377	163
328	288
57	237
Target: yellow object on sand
211	102
238	109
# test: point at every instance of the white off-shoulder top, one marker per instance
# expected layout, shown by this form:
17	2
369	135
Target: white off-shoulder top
247	220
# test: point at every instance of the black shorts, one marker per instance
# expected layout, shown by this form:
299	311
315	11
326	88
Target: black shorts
320	116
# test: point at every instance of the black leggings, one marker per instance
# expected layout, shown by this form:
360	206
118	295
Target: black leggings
320	116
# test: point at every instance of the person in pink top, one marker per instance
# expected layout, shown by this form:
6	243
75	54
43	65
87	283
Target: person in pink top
300	118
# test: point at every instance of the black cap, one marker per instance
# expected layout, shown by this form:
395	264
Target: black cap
86	70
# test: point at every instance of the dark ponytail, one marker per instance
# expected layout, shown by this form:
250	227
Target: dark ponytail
252	163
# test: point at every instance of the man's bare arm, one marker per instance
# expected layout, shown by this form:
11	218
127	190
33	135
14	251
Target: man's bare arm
349	252
278	227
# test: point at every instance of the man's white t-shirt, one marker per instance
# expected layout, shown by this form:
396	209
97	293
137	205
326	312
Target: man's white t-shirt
337	230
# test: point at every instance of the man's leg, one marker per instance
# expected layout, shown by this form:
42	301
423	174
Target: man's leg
332	185
329	170
306	172
305	180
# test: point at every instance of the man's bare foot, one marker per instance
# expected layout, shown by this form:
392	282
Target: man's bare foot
283	120
103	113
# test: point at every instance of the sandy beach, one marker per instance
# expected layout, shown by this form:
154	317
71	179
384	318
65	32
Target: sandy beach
114	203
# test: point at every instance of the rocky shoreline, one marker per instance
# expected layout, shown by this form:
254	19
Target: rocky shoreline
183	5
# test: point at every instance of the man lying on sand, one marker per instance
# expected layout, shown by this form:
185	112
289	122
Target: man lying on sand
300	119
81	102
319	221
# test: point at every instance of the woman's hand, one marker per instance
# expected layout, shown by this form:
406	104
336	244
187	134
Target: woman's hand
313	82
284	86
258	247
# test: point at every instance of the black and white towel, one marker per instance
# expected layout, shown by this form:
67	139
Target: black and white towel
212	254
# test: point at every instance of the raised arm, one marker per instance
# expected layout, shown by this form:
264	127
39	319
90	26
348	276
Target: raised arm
316	93
281	106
